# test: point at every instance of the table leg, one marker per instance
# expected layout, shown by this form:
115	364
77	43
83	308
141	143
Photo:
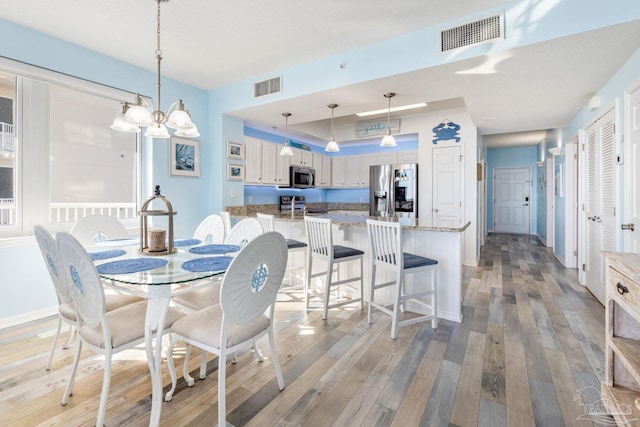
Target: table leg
157	306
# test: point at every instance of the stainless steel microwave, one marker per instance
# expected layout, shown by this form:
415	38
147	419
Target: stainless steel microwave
302	177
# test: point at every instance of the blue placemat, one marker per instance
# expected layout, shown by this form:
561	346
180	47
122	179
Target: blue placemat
131	265
214	249
185	242
107	254
214	263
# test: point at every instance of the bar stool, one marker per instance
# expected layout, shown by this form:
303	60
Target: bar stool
320	238
385	239
268	224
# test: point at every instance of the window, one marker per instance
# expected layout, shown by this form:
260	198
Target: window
59	159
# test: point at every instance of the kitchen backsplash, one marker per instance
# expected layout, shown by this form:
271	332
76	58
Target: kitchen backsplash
252	210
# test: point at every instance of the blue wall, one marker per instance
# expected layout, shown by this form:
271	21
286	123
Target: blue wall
512	157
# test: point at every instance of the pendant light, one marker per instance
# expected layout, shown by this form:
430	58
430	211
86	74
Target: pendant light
286	148
388	140
141	113
332	145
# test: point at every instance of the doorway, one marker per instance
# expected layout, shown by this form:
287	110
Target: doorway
512	200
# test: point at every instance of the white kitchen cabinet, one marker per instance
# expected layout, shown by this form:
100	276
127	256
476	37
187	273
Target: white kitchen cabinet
302	157
253	161
365	161
275	168
407	156
322	166
357	170
270	156
264	165
386	158
284	163
338	177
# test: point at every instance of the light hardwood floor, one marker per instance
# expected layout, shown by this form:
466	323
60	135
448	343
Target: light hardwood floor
530	340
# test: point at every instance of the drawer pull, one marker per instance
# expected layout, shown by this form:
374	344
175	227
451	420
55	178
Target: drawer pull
622	289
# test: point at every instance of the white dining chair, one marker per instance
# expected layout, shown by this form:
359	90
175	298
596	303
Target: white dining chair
105	333
226	218
210	230
244	231
244	315
294	246
385	241
66	309
321	247
97	227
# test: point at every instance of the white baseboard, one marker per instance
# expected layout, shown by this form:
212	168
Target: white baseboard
8	322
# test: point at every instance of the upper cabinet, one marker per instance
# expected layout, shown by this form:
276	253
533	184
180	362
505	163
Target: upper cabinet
263	163
386	158
396	157
275	168
253	161
302	157
338	177
322	166
352	171
408	156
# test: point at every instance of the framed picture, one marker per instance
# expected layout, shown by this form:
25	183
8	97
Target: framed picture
234	150
184	157
235	172
559	181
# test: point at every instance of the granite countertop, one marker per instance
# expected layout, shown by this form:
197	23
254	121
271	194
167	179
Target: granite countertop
359	220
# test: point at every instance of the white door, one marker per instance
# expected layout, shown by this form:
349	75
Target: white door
447	186
631	238
511	200
600	198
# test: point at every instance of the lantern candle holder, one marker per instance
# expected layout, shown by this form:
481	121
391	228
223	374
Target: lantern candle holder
152	240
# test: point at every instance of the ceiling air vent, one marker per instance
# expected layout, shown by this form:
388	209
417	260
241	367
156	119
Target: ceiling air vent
472	33
266	87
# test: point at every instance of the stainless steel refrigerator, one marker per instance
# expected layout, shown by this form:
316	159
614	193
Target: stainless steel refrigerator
393	190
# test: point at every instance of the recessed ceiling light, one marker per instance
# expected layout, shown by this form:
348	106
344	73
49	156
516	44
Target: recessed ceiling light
384	110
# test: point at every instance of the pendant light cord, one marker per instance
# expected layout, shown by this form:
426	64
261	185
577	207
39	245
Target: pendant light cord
159	58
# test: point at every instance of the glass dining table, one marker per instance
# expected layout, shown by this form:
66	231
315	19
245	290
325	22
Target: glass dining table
158	279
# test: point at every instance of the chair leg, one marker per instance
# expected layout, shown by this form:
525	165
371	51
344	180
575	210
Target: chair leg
276	361
72	332
76	359
371	294
258	352
396	306
361	283
106	380
307	282
434	299
203	365
55	343
327	292
222	398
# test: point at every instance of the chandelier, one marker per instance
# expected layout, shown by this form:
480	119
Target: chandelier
141	112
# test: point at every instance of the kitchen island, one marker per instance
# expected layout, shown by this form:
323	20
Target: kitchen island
444	244
420	237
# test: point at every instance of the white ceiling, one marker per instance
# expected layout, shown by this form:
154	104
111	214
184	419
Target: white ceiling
513	96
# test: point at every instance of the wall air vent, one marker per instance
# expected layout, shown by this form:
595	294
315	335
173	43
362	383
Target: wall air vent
472	33
266	87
